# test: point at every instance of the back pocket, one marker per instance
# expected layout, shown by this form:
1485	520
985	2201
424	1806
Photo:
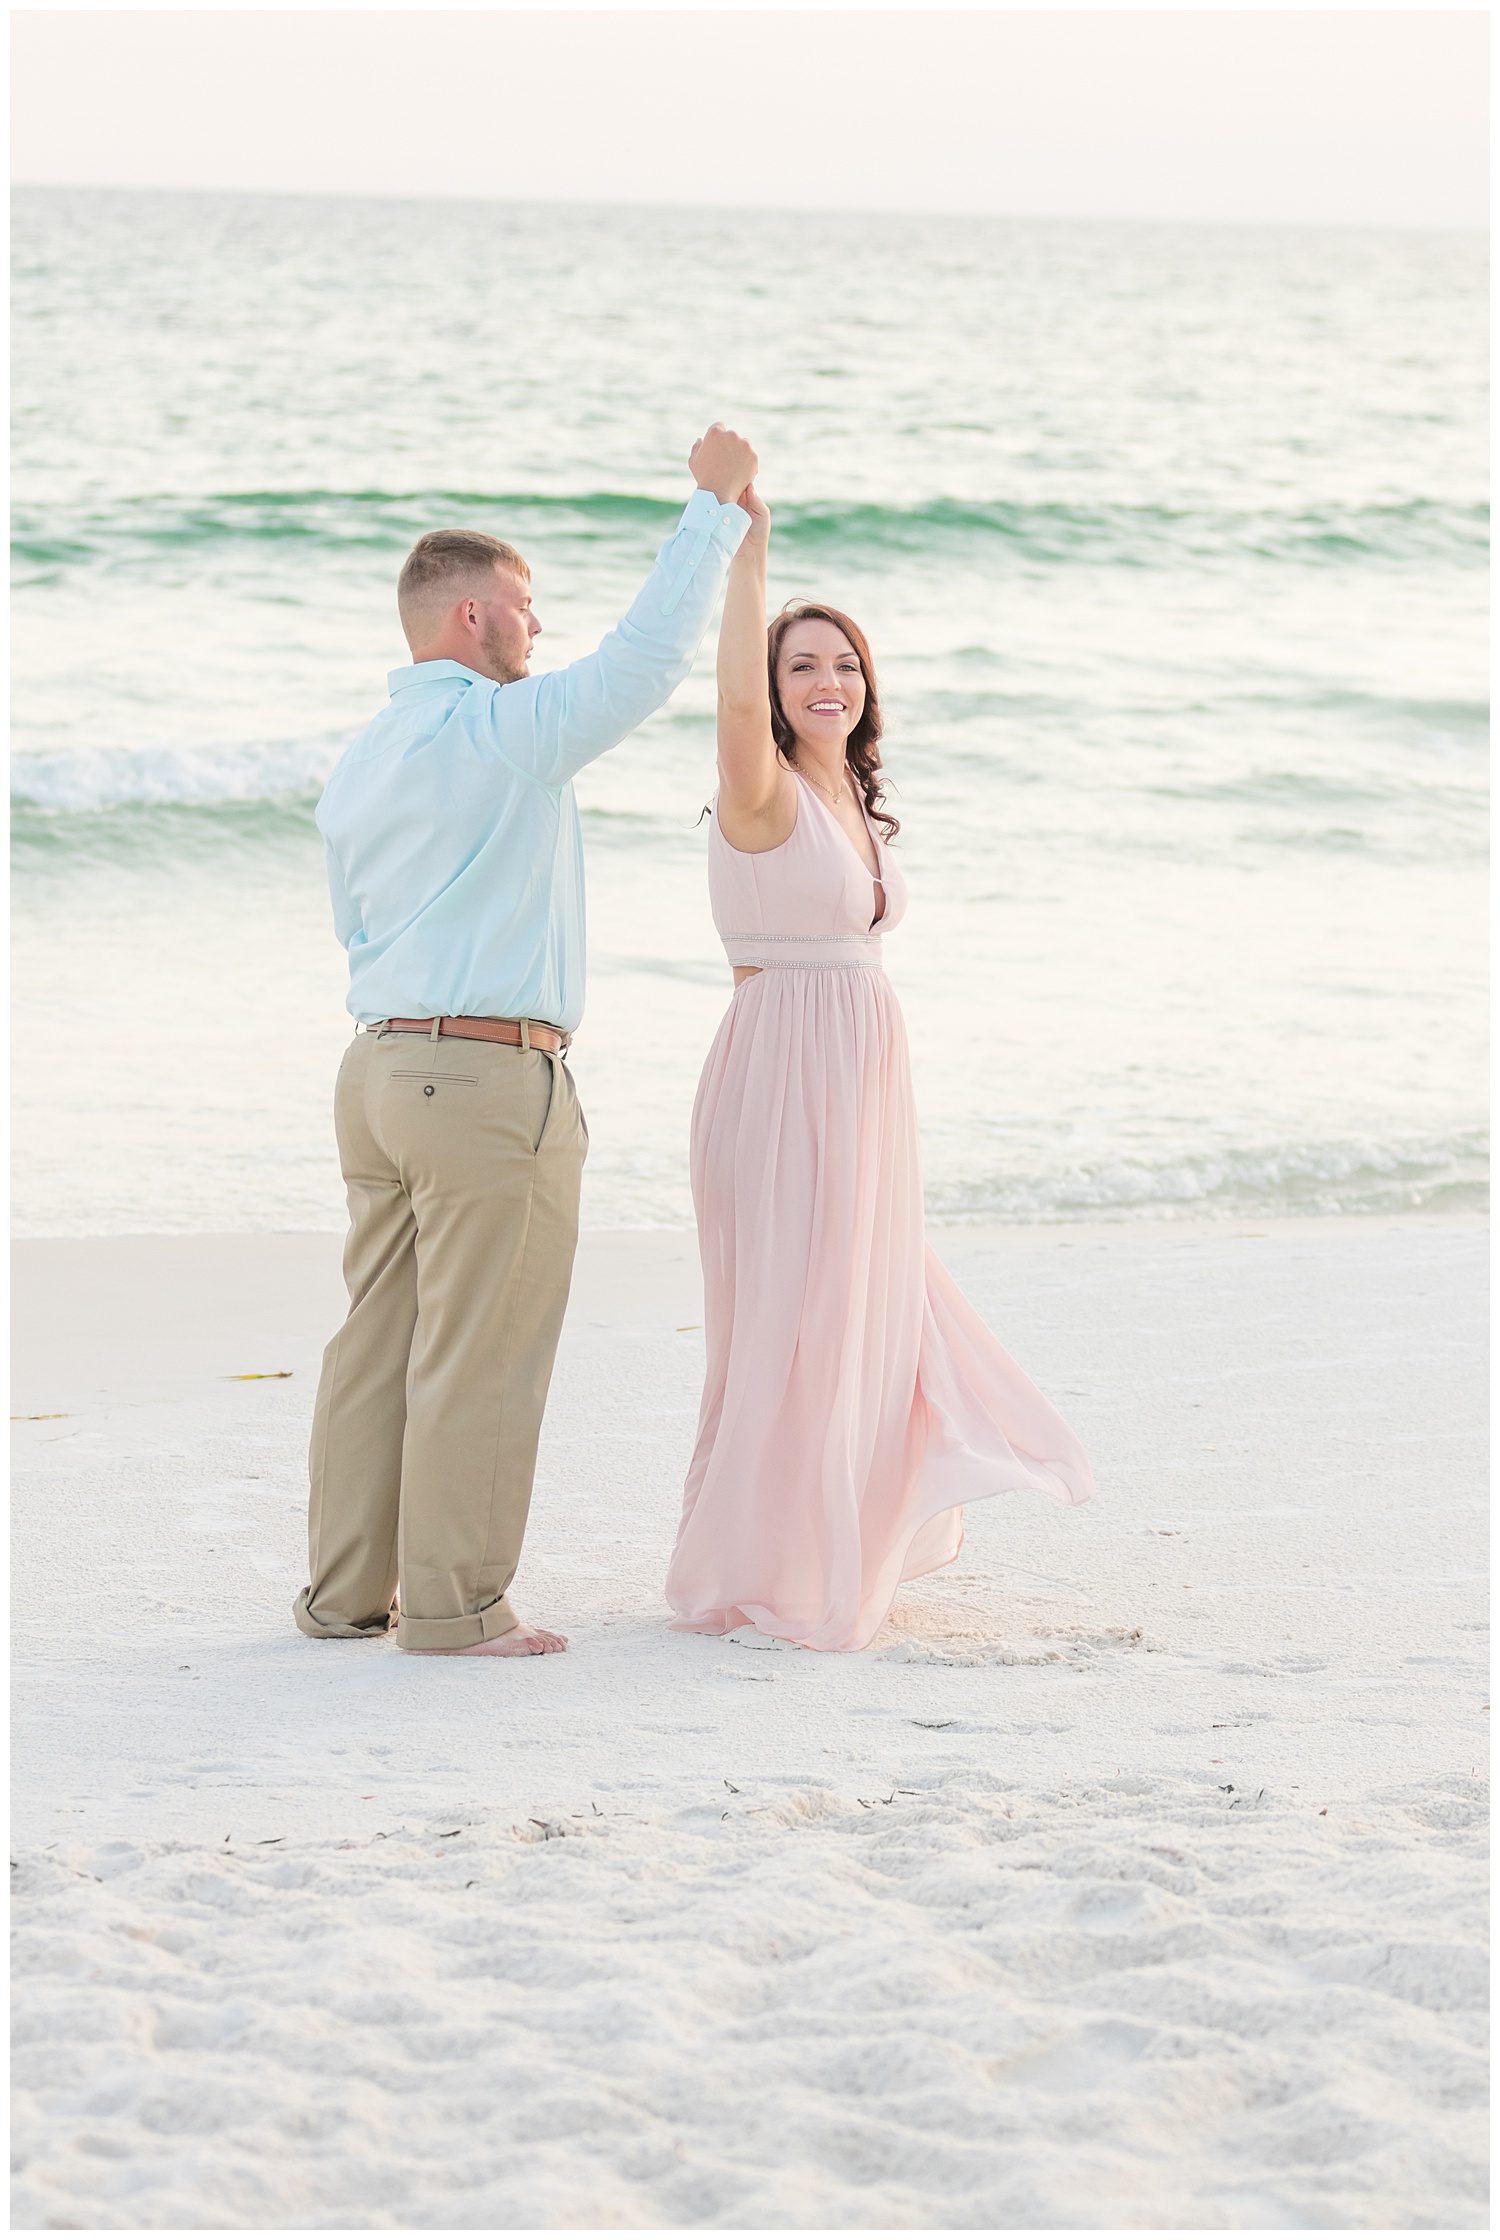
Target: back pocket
464	1080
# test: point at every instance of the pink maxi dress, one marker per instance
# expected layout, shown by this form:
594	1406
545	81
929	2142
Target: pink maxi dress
854	1400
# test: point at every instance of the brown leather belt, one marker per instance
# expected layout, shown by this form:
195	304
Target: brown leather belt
538	1036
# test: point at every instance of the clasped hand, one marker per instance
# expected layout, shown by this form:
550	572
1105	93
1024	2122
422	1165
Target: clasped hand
723	462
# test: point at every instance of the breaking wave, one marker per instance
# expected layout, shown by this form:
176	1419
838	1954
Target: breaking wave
48	543
1441	1174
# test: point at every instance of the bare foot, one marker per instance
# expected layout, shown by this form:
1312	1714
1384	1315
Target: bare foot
522	1641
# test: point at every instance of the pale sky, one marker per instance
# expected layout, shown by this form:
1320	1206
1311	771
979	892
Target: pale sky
1344	116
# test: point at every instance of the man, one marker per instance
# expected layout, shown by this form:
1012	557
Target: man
456	866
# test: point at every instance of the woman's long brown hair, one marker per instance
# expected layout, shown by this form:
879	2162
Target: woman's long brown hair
863	743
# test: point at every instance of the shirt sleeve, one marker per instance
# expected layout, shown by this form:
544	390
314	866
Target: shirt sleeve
346	918
551	726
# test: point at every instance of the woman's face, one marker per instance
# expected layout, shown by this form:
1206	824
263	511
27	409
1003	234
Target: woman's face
821	683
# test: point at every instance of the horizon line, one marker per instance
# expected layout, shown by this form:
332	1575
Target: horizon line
1472	229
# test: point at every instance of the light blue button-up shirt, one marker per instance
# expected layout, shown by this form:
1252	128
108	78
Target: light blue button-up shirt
455	858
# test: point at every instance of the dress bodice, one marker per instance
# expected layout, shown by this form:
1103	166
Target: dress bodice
810	901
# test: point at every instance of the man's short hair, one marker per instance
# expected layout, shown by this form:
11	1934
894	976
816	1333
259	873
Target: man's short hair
445	566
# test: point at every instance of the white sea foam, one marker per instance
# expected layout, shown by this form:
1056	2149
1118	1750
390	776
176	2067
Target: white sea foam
1364	1176
79	779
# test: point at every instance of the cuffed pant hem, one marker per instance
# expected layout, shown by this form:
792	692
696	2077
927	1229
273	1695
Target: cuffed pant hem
336	1629
457	1633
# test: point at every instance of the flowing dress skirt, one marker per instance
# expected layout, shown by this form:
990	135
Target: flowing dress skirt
854	1400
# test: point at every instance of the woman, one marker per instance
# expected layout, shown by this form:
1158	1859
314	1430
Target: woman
853	1398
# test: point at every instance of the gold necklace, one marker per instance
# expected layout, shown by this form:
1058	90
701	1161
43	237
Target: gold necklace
835	798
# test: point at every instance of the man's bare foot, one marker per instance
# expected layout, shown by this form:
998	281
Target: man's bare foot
522	1641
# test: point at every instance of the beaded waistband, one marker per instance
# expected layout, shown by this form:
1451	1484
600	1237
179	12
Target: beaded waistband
826	951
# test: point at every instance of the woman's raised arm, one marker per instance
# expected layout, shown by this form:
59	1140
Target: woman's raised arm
757	795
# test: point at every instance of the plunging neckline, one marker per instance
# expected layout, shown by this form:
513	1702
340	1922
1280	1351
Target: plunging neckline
874	877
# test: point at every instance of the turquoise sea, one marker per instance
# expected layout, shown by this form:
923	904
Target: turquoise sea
1171	543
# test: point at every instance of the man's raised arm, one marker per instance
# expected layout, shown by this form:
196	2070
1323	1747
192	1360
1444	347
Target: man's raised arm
552	725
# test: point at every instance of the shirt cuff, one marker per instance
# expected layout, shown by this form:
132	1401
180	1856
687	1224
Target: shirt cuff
725	524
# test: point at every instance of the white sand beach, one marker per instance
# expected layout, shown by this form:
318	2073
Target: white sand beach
1133	1878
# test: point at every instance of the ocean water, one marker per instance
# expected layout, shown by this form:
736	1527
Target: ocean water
1171	544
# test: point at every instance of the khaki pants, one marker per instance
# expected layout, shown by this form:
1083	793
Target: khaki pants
463	1162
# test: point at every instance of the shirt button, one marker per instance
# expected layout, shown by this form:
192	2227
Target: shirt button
429	1091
